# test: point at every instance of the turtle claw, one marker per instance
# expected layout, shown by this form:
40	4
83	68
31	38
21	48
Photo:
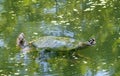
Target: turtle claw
92	41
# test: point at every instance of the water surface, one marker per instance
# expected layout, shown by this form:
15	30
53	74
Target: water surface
80	20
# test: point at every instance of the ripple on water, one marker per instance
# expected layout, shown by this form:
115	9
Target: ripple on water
85	62
16	73
1	70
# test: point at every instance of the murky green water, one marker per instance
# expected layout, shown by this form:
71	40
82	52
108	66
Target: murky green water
78	19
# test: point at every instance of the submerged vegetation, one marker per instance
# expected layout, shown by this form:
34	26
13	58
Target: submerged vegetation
79	19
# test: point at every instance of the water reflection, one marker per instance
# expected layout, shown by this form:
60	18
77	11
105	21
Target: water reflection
51	63
25	62
102	73
55	29
22	58
98	73
44	65
2	44
88	73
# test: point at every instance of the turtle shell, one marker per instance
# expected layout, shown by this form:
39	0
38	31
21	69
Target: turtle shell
56	43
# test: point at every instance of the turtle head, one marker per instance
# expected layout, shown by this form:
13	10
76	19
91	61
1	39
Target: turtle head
21	42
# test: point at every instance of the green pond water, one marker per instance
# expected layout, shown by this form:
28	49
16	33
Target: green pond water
78	19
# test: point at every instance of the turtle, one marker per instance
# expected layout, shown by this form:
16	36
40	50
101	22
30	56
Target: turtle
53	43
